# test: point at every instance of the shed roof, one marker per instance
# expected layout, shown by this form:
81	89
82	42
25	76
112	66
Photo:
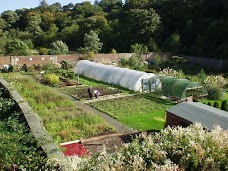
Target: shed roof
208	116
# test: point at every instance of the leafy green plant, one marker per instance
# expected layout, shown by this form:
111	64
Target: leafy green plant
52	79
215	93
216	104
58	48
209	103
43	51
193	148
19	149
224	105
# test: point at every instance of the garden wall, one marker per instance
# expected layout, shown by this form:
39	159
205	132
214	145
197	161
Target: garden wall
34	123
216	64
43	59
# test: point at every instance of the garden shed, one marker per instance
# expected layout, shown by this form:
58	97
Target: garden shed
123	77
186	113
180	89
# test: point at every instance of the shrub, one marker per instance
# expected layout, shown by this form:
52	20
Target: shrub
87	56
216	105
58	48
215	93
192	148
113	51
209	103
24	68
64	65
17	47
224	105
217	80
43	51
52	79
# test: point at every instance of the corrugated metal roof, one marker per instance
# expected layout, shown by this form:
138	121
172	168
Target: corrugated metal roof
208	116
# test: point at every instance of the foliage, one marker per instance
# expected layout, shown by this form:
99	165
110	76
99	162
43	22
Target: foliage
63	121
209	103
64	65
113	51
172	72
217	80
43	51
224	105
215	93
52	79
216	105
92	42
58	48
87	56
202	76
139	49
16	47
19	149
192	148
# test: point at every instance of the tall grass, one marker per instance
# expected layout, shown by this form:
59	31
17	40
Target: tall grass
60	116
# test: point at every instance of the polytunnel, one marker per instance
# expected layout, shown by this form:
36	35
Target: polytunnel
123	77
180	88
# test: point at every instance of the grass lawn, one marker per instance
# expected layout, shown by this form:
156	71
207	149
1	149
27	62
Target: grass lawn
60	116
140	112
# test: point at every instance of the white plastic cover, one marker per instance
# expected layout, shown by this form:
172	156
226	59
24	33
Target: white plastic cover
124	77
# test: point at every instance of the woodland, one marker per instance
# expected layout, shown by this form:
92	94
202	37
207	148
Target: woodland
188	27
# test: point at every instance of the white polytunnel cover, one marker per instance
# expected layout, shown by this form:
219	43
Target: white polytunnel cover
123	77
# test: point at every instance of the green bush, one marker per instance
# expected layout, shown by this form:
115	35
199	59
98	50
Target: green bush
216	105
215	93
224	105
192	148
64	65
19	149
43	51
52	79
58	48
209	103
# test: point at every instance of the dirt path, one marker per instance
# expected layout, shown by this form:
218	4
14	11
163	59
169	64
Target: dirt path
108	97
119	127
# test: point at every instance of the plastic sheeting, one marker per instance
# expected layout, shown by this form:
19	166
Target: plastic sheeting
123	77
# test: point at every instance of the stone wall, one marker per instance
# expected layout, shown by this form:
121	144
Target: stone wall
33	122
216	64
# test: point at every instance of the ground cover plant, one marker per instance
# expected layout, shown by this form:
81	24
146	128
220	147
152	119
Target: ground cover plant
19	150
60	116
140	112
178	149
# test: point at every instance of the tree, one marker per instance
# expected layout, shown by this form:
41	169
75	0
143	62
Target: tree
16	47
92	42
10	18
140	26
59	48
33	24
43	4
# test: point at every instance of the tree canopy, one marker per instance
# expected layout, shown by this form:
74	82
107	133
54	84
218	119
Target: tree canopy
179	26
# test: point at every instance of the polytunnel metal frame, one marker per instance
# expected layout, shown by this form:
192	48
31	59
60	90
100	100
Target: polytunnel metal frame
178	88
123	77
